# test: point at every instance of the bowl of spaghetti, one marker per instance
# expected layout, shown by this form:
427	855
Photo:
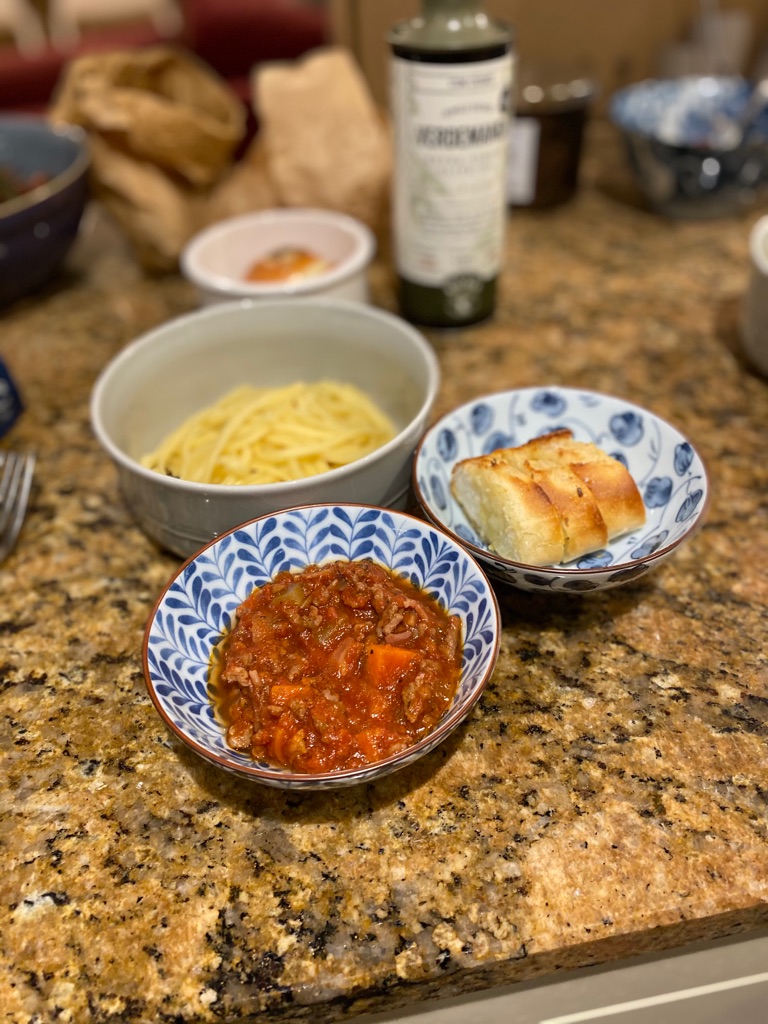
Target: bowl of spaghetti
241	409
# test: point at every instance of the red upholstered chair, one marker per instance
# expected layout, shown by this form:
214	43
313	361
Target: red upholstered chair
28	81
232	36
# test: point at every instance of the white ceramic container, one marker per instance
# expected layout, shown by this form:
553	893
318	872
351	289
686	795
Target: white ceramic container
217	259
185	365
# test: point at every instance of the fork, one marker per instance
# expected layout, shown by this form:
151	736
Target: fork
16	472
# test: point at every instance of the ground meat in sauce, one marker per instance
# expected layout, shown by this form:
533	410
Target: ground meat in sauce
335	667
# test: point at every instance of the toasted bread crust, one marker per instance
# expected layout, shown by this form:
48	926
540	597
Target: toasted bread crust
510	511
550	500
584	528
611	483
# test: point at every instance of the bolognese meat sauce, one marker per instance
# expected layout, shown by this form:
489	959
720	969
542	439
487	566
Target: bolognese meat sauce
335	667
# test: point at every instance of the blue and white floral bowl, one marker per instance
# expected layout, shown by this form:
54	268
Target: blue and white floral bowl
198	604
667	469
685	147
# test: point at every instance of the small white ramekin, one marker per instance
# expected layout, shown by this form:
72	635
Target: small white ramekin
217	259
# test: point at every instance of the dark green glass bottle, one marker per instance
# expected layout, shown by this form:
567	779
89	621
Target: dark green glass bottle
451	82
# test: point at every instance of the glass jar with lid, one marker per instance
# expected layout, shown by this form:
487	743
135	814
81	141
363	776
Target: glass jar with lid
551	107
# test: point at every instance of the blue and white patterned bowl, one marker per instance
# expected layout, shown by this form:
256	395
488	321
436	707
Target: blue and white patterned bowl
198	604
668	471
684	146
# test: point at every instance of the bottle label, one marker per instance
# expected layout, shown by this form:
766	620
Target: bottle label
523	160
449	191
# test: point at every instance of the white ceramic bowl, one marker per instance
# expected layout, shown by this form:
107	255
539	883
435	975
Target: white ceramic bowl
197	607
668	471
216	260
186	364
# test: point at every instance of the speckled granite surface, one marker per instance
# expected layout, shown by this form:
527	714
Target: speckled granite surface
608	796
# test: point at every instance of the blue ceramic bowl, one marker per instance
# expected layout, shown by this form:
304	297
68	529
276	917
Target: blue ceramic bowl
667	470
198	604
685	155
37	229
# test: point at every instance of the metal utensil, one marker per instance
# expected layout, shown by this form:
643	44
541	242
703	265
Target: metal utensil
16	471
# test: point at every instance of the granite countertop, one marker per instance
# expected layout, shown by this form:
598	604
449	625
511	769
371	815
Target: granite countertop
607	796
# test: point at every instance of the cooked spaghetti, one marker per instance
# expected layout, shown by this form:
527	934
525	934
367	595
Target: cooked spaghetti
270	435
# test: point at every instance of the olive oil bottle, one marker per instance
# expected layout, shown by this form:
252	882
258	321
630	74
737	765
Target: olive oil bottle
451	79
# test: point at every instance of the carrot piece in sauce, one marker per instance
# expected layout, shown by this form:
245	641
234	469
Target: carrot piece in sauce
376	743
281	735
385	664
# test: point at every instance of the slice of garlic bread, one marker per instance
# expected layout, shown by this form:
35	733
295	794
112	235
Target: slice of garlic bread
583	525
615	491
509	511
584	528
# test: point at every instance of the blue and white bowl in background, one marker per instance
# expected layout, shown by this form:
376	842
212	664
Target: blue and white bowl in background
689	156
665	466
198	604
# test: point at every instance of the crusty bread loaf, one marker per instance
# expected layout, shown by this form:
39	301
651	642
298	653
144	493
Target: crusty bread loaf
551	500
